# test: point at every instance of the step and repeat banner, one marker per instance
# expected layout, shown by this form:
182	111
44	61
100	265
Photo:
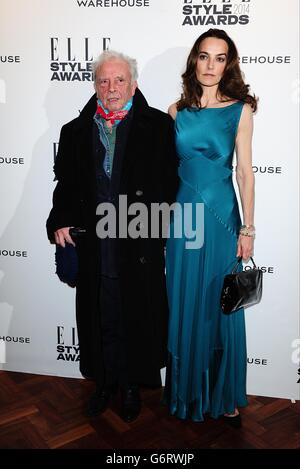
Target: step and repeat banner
46	51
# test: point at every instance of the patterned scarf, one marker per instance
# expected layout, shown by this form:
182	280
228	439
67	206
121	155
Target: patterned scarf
114	116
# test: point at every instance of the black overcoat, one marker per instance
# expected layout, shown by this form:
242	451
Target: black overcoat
148	174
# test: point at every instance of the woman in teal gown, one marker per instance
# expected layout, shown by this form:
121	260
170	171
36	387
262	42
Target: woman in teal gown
206	372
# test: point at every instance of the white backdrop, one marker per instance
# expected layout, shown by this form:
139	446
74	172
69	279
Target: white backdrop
46	48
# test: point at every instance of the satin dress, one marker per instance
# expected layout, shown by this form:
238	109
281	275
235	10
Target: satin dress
207	360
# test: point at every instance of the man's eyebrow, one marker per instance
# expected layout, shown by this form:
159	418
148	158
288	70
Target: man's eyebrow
106	78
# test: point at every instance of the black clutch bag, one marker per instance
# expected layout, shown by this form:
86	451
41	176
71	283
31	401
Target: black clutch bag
241	289
66	264
66	259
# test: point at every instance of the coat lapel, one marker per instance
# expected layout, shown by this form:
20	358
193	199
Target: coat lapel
140	133
84	145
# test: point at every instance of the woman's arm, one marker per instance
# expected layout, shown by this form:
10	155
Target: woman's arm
173	110
245	178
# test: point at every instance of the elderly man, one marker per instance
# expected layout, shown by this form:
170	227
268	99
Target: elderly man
118	146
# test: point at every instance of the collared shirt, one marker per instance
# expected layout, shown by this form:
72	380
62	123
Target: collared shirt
108	137
108	140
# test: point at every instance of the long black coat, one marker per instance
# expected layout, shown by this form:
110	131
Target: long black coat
149	174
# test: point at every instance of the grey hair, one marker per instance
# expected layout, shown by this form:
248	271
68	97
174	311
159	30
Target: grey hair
114	55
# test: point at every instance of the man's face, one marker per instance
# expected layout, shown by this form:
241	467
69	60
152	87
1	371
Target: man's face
113	84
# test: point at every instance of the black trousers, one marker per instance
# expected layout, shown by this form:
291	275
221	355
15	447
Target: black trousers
113	343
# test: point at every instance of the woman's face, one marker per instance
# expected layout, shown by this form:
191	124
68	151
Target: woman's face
212	60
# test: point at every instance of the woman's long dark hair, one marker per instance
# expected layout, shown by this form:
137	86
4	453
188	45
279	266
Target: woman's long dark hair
231	86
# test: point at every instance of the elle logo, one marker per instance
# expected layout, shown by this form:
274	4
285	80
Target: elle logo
63	49
69	352
70	338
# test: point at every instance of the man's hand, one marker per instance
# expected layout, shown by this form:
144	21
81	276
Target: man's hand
62	236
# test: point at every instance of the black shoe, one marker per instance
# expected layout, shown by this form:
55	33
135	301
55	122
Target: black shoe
98	402
235	422
130	403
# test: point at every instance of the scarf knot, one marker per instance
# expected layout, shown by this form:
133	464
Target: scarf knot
112	116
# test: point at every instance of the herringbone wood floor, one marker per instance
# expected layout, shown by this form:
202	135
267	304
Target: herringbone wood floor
48	412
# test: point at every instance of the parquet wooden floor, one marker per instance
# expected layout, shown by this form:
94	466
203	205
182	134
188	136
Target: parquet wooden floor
48	412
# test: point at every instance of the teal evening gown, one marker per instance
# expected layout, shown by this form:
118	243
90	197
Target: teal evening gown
206	372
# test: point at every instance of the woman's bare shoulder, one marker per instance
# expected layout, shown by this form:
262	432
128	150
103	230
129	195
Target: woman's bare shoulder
173	110
247	115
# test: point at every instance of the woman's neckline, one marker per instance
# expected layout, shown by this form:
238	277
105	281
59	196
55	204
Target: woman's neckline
219	107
